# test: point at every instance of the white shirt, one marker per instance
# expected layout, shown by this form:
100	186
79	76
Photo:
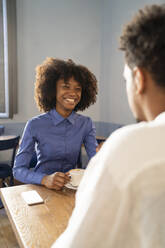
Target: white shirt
120	202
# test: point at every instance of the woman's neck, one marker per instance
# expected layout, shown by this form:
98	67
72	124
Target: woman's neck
64	114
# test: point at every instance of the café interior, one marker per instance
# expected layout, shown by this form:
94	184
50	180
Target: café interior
86	31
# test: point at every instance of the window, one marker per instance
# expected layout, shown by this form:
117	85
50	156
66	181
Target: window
8	59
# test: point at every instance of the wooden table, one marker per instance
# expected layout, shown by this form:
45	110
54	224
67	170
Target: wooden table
38	226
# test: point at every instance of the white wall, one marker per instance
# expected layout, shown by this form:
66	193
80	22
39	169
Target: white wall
113	100
86	31
63	29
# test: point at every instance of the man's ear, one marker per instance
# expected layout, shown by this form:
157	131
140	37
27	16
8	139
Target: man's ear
139	80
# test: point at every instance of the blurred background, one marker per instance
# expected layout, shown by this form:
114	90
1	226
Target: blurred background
86	31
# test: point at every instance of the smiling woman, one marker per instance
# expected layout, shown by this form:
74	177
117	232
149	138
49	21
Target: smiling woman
61	89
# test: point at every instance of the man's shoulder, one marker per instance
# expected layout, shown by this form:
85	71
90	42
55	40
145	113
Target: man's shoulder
130	132
131	148
129	141
139	132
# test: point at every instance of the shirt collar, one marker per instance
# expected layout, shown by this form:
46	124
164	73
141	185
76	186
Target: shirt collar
57	118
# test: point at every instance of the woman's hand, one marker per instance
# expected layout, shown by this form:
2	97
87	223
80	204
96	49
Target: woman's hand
56	180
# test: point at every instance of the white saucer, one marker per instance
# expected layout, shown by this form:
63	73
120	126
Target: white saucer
69	186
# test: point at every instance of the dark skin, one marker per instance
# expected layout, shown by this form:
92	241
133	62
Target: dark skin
56	180
67	97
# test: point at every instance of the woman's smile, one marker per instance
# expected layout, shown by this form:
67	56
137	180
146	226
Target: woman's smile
68	96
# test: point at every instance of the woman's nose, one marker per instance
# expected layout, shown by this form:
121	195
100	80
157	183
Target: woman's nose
72	91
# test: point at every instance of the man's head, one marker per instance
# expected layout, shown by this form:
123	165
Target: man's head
143	41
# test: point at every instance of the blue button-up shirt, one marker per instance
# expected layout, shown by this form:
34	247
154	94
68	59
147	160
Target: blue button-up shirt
57	142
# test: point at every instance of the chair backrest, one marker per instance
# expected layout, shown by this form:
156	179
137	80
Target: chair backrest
8	144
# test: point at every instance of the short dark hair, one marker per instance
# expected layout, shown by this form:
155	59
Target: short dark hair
143	41
51	70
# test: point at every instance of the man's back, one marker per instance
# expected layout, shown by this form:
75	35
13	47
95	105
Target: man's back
120	202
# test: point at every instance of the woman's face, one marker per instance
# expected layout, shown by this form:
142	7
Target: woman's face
68	95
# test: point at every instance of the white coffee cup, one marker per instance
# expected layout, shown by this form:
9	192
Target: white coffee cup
76	176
